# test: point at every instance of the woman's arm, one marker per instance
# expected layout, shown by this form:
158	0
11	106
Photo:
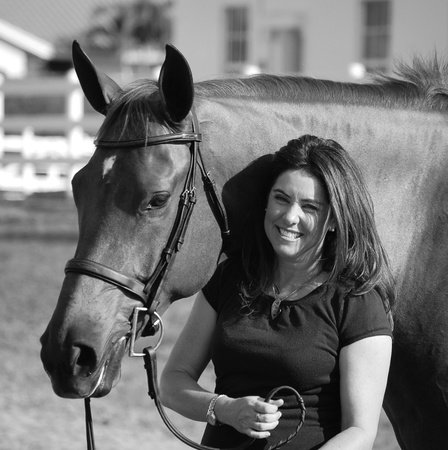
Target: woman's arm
364	366
190	355
180	391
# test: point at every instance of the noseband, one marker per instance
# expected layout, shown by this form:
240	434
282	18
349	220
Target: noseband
147	292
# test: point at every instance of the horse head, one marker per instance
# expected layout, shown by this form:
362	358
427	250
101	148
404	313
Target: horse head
128	198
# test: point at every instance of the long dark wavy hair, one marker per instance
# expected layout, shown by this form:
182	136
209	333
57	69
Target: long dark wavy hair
353	254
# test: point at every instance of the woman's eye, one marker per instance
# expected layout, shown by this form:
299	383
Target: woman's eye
281	198
310	207
158	200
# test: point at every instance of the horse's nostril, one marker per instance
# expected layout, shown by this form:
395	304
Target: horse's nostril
83	360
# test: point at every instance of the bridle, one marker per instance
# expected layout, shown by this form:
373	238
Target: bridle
147	292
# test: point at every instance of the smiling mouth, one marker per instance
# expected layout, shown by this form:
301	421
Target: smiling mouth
289	235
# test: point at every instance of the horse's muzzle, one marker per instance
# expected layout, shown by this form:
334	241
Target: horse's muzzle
77	372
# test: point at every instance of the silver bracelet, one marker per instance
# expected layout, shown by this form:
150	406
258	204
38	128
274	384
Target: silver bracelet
211	416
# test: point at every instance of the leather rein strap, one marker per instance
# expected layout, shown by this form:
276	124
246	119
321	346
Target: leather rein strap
153	391
150	359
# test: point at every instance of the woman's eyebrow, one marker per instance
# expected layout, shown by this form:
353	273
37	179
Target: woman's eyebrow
306	200
281	191
313	200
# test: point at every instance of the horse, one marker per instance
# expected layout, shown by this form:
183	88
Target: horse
396	129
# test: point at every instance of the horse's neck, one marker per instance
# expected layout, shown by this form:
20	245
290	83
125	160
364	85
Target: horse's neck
238	131
400	152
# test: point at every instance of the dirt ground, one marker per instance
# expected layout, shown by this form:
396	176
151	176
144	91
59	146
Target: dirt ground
32	417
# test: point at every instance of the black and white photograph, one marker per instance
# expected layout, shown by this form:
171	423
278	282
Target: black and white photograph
224	224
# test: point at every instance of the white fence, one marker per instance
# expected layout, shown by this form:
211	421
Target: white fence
41	151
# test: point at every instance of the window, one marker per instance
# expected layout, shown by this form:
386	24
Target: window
41	171
285	51
236	22
376	39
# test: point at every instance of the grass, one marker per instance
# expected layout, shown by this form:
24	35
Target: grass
36	239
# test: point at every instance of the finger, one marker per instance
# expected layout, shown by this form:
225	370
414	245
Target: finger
268	408
267	418
277	402
259	426
257	434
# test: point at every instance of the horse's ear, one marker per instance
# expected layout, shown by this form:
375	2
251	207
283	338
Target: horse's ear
176	85
98	88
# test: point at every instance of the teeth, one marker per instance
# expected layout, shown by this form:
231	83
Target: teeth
289	234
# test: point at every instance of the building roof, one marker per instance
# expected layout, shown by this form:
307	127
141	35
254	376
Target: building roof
49	22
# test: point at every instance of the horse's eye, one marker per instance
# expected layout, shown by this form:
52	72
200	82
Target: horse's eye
158	200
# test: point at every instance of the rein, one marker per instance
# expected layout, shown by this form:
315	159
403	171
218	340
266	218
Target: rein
147	292
149	356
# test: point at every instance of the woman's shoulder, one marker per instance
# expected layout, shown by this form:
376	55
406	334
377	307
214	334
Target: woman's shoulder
359	315
345	297
348	292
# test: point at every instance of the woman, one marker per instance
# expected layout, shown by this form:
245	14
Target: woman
306	305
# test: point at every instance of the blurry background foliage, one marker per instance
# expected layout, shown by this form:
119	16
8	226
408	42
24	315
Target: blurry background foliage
130	25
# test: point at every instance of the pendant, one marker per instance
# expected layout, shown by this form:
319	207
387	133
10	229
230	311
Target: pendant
276	308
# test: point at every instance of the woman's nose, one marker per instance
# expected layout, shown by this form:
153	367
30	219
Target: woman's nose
293	213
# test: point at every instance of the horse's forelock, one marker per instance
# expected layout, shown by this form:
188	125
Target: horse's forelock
130	114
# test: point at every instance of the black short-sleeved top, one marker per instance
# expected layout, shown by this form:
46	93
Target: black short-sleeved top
252	353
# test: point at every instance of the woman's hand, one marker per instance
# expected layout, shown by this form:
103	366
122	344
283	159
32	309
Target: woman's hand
249	415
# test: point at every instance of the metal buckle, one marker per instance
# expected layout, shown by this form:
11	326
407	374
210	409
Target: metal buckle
137	310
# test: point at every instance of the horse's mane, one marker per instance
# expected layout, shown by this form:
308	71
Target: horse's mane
424	85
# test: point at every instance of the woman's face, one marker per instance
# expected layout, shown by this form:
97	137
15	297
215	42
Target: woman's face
297	217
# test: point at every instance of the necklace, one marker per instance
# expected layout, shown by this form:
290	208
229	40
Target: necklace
275	307
276	304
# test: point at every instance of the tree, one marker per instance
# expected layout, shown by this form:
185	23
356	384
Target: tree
127	25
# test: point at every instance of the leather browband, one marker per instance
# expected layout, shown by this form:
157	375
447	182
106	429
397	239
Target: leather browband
151	140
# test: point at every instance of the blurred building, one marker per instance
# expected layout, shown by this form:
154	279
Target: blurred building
35	36
47	127
333	39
